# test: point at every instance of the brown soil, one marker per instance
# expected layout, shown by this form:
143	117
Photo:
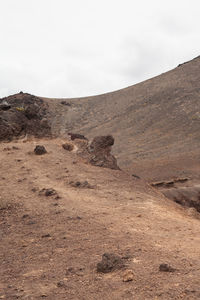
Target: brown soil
154	123
51	244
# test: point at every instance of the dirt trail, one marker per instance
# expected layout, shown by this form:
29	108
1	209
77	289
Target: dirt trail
50	246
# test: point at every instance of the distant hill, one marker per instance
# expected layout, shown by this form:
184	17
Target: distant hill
156	123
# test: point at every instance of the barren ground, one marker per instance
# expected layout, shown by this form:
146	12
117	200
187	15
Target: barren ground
50	246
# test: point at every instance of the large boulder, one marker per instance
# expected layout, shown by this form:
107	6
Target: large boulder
23	114
98	152
101	142
12	123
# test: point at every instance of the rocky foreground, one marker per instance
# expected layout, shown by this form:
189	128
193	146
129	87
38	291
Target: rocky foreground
70	230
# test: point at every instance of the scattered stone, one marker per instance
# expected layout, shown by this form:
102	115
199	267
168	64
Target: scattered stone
65	103
25	216
128	276
136	176
61	284
74	218
15	148
76	271
68	147
47	192
4	105
83	184
46	235
40	150
6	149
74	136
102	142
166	268
110	262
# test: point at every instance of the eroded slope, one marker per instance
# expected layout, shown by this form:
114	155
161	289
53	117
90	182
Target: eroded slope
50	245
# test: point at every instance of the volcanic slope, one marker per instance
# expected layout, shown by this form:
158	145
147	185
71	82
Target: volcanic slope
156	123
54	231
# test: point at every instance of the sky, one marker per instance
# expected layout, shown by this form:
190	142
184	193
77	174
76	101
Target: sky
76	48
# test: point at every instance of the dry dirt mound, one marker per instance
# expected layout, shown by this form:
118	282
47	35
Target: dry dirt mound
23	114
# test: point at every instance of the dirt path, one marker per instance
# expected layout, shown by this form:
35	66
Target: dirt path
50	246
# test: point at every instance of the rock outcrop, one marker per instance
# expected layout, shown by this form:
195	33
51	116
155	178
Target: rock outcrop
23	114
98	152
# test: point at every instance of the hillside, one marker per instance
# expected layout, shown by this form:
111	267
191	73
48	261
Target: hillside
77	223
155	123
54	232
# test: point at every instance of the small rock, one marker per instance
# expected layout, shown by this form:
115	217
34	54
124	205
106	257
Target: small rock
77	136
46	235
109	263
31	223
136	176
166	268
40	150
25	216
128	276
65	103
83	184
48	192
60	284
68	147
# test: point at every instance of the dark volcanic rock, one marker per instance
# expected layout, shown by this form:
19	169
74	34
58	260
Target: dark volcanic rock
4	105
48	192
12	123
101	142
166	268
40	150
32	111
110	262
100	150
68	147
81	184
98	153
23	114
77	136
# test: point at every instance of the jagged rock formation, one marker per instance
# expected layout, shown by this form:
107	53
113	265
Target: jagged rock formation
98	152
23	114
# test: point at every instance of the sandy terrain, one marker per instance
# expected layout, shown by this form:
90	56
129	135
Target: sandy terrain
50	245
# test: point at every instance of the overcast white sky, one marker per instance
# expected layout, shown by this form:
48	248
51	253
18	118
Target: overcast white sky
69	48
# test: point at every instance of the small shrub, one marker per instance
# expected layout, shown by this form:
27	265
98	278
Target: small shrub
20	108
